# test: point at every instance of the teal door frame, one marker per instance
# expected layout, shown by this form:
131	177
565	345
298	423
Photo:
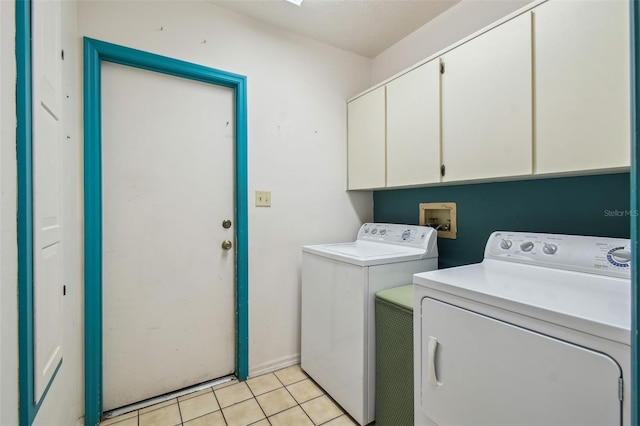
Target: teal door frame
635	209
28	406
95	52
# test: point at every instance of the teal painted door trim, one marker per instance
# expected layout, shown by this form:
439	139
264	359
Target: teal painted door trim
635	208
25	211
28	408
95	52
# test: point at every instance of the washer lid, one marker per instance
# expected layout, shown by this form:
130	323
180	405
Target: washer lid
365	253
380	243
594	304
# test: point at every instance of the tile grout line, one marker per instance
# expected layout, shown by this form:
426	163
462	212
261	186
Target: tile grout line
290	394
314	398
224	418
179	412
258	402
294	398
281	411
273	390
343	412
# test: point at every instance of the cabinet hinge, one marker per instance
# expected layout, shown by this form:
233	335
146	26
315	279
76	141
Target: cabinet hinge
441	67
442	170
620	389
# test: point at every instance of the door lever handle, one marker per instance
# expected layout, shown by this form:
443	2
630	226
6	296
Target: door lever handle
226	244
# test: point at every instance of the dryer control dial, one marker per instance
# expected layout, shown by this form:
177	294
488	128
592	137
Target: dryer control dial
506	244
549	248
526	246
619	257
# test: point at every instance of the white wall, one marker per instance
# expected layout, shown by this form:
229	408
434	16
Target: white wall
297	142
8	231
456	23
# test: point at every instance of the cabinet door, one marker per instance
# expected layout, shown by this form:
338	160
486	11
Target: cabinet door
486	104
366	140
581	57
413	127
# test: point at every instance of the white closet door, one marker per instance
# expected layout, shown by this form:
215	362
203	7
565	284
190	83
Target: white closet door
47	208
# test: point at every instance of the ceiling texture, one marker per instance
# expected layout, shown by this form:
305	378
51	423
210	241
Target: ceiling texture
365	27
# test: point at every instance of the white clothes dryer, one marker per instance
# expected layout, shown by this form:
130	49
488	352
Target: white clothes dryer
339	283
536	334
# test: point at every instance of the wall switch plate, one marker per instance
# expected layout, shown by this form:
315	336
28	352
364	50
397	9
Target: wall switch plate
441	216
263	198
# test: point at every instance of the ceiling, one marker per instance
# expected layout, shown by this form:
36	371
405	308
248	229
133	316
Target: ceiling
365	27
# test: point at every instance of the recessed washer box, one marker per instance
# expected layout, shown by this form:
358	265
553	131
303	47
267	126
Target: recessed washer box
441	216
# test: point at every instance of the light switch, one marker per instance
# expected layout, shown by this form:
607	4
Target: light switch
263	198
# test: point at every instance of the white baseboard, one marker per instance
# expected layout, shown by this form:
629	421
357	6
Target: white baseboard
280	363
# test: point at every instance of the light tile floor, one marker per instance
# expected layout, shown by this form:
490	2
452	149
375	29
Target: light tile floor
287	397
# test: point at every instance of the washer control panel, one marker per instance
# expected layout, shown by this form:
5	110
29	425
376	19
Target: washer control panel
398	234
600	255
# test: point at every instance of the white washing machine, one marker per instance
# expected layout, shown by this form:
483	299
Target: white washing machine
536	334
339	283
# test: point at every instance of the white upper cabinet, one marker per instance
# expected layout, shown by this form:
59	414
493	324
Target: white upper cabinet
366	140
487	104
413	127
582	106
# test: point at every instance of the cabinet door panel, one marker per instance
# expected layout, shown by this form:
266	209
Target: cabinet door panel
366	140
413	127
581	54
486	104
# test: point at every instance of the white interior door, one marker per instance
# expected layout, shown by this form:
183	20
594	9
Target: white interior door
47	194
167	182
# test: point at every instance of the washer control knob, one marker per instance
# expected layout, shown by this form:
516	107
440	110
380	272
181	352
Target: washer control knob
383	231
550	248
526	246
621	256
374	231
505	244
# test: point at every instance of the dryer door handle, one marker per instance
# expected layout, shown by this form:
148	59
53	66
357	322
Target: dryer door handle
432	346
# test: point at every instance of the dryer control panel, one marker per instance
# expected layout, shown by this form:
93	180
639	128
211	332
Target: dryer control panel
422	237
594	255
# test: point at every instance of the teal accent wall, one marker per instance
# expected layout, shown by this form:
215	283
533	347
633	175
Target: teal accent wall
587	205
